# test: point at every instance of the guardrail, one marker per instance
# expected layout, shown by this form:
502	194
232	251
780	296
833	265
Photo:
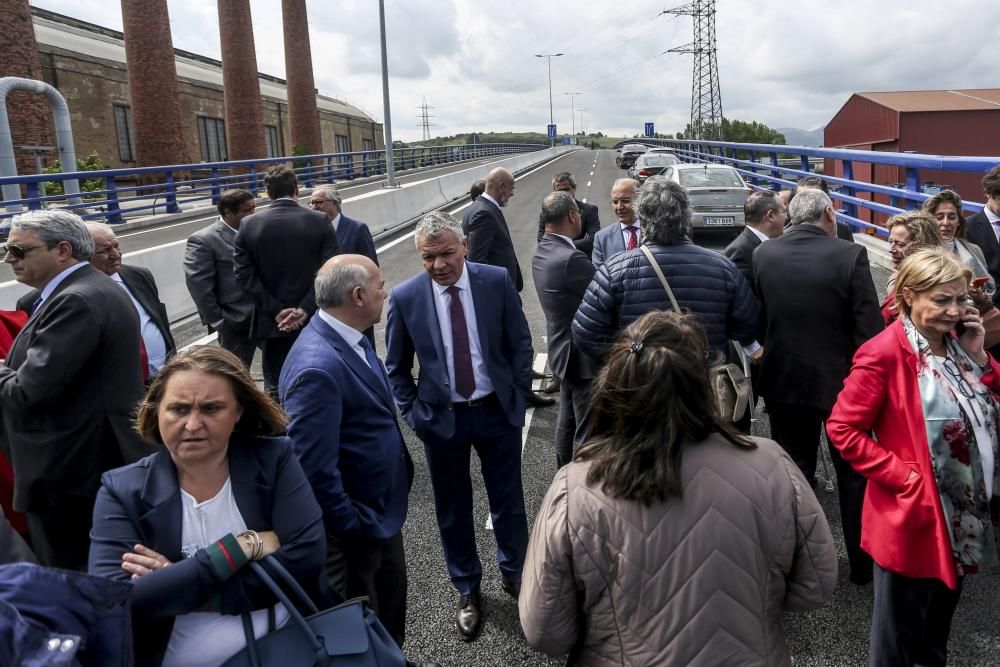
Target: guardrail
150	190
886	200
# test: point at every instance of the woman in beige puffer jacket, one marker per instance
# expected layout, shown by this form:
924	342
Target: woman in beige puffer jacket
672	539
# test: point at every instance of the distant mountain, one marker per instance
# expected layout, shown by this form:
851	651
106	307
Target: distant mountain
797	137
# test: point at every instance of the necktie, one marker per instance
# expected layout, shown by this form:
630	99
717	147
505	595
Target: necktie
373	361
35	304
465	381
633	238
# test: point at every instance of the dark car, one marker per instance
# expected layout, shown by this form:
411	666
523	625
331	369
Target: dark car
628	155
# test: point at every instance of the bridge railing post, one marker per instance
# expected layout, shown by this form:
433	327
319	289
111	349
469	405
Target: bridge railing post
114	210
32	190
850	208
775	172
216	188
171	196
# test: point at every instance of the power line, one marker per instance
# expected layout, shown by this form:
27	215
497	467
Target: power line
706	98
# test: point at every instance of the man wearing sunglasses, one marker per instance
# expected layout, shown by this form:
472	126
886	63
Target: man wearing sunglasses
69	384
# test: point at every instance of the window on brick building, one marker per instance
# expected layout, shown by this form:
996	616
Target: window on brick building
273	144
343	145
212	133
367	144
125	132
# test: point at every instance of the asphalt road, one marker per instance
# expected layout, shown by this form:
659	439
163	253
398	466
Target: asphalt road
836	634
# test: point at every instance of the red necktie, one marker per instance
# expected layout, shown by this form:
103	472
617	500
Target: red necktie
143	359
465	380
633	238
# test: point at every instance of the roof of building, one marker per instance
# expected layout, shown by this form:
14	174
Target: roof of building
973	99
57	31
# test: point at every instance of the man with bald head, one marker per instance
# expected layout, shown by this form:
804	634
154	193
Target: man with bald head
342	422
154	325
486	228
626	234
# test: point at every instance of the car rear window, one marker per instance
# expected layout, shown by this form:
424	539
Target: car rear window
634	148
710	178
658	160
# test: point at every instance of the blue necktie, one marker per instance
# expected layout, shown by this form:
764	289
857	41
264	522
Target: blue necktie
374	362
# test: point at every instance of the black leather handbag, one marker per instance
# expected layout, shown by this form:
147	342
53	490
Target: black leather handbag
347	635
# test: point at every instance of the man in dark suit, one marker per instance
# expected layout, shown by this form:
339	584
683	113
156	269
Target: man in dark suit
211	281
69	385
353	237
562	272
983	228
488	235
591	222
154	325
277	253
820	306
463	323
816	183
626	233
765	215
343	424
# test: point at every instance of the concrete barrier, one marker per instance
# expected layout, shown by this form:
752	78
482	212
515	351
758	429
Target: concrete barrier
379	209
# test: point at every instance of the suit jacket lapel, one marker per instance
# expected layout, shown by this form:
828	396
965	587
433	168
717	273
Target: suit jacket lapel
428	305
24	334
250	487
369	376
478	287
161	496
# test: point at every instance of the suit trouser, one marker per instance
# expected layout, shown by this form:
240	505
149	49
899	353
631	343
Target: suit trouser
60	536
484	428
372	568
238	341
911	620
798	428
274	351
571	424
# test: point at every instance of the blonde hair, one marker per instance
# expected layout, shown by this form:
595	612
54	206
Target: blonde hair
921	225
925	270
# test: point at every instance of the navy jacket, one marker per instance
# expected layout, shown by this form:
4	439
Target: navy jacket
344	429
489	238
354	238
141	504
704	282
412	330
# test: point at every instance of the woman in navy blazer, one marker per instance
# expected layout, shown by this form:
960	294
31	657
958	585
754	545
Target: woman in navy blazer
176	523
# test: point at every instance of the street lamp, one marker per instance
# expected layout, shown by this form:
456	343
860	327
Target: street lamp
549	57
572	112
583	128
390	168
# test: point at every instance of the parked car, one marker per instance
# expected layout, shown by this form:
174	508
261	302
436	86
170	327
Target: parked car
650	164
628	155
717	194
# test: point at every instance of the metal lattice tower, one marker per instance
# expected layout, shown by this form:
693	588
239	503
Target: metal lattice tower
425	119
706	100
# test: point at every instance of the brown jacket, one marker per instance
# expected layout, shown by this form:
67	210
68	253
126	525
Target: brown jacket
702	580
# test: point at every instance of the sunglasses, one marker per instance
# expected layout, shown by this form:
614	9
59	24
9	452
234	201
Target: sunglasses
19	252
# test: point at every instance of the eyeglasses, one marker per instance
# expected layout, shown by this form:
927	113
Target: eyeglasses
951	368
317	202
624	201
19	252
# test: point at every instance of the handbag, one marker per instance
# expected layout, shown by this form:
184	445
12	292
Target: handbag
729	383
347	635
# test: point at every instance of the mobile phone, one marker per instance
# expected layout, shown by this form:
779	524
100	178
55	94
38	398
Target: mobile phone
980	282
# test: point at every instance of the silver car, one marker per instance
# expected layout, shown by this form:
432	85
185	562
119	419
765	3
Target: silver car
717	194
650	164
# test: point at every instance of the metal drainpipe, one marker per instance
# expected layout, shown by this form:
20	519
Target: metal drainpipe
64	137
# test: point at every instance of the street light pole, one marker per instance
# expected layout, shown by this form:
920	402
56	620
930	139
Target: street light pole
572	111
390	168
583	128
548	57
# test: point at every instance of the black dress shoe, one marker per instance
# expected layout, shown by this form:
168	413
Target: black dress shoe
535	375
552	387
470	616
513	588
536	400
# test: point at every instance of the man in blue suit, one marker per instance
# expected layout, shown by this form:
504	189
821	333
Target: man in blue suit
343	427
353	237
626	234
464	324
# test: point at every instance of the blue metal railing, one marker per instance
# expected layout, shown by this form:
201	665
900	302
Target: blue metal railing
775	176
205	181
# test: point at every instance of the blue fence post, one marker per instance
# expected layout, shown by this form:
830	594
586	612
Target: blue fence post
804	163
172	206
850	207
32	190
329	170
775	172
912	179
113	214
216	189
252	176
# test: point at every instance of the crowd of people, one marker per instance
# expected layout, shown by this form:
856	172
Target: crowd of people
669	535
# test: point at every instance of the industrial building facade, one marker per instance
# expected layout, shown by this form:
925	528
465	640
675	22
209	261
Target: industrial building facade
87	64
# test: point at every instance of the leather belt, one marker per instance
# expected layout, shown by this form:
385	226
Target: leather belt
488	399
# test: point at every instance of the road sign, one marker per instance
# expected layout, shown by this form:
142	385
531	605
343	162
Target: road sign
552	131
567	141
649	130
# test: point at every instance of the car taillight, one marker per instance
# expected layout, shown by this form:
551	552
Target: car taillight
645	172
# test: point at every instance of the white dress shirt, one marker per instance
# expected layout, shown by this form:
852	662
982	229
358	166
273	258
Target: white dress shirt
564	238
350	335
626	234
994	220
442	300
336	223
156	346
490	199
763	237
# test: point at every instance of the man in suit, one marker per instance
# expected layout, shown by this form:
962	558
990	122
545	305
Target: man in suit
343	425
138	282
211	281
463	323
816	183
562	272
353	237
591	222
820	306
276	256
627	234
983	228
488	235
69	385
765	215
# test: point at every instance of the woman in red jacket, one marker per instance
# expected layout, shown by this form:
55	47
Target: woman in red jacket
928	391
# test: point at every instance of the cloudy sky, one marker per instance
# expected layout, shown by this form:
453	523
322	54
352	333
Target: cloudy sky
786	64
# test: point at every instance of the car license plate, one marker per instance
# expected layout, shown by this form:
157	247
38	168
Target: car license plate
728	220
